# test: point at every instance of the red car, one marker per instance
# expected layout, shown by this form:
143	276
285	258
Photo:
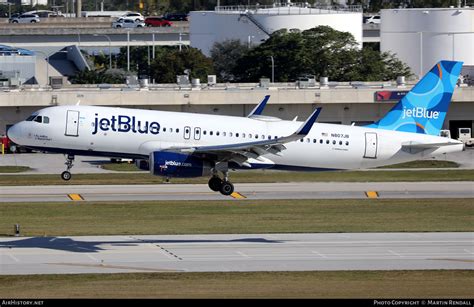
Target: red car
157	22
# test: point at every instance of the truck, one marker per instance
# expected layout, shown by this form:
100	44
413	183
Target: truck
465	136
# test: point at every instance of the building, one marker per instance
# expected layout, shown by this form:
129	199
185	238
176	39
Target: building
253	24
422	37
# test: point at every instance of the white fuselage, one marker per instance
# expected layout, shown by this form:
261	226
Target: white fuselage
119	132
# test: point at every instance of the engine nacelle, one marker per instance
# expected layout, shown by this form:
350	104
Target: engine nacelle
171	164
142	164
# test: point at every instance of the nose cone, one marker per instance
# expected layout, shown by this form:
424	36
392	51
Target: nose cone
14	133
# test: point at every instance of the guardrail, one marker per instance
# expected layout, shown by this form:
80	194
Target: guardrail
294	9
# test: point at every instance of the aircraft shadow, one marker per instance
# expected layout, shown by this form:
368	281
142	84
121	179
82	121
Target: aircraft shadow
70	245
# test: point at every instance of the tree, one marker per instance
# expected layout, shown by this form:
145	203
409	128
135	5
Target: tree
321	51
225	56
111	76
171	62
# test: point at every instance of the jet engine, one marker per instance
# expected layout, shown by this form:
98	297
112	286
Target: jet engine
171	164
142	164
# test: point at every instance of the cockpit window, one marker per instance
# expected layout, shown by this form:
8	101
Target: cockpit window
39	119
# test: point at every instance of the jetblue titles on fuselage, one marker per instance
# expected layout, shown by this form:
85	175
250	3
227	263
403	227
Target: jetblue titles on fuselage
124	123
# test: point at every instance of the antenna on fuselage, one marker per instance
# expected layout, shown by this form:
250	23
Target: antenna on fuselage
78	102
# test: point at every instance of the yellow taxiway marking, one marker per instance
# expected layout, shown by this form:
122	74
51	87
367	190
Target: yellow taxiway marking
237	195
75	197
372	194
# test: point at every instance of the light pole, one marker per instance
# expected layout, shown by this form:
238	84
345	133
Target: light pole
273	69
153	38
110	48
128	50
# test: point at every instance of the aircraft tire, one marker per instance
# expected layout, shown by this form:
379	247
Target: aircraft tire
227	188
66	175
215	184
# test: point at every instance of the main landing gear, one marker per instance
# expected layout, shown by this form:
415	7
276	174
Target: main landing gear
221	185
66	175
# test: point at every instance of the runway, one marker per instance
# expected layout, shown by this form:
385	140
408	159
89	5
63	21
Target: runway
250	191
248	252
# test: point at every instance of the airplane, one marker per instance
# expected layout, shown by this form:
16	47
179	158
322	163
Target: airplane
177	144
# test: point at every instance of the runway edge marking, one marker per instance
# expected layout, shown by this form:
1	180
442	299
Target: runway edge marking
237	195
372	194
75	197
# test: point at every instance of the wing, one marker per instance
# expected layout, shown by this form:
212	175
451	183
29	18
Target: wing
241	152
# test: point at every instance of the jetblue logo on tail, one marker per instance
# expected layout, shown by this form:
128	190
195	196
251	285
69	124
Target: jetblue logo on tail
423	109
419	112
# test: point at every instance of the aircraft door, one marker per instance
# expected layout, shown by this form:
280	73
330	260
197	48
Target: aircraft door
370	145
72	123
187	132
197	133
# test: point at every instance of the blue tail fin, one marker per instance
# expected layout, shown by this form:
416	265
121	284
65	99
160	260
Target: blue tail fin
424	108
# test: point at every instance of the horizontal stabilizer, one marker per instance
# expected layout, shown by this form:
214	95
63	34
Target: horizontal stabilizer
428	145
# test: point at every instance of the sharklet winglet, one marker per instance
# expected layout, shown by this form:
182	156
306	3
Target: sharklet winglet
259	108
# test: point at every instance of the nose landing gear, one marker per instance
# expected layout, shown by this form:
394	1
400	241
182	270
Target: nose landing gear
66	175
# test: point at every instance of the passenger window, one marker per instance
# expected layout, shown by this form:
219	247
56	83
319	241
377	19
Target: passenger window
340	142
250	135
164	129
217	133
327	141
243	135
230	133
314	141
45	120
269	137
204	132
320	141
171	129
263	137
224	133
236	135
211	133
347	143
177	130
334	142
256	136
301	140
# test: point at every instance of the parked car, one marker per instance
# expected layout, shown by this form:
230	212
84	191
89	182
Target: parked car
374	19
25	18
137	17
157	22
176	17
127	23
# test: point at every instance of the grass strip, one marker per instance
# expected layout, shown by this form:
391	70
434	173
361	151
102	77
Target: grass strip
248	177
342	284
13	169
233	216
